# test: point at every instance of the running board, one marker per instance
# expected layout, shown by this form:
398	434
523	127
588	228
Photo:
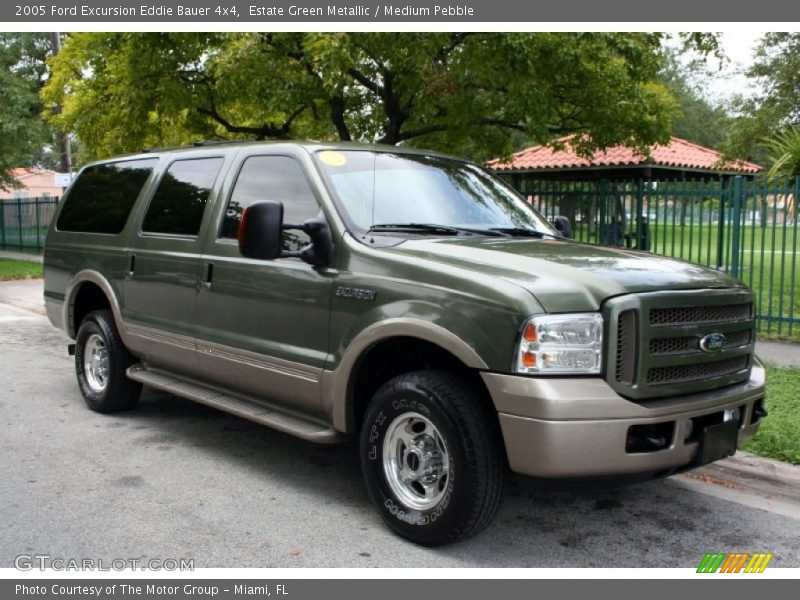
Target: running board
237	405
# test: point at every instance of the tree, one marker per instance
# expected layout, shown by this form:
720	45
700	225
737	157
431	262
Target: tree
23	134
783	150
698	119
776	105
468	93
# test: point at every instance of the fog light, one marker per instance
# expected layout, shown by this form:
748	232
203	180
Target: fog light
731	414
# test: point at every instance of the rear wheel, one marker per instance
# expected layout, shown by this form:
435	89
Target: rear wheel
432	458
101	360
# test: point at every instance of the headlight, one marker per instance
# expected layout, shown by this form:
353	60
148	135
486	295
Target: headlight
567	343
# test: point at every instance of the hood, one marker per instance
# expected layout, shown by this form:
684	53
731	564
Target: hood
567	276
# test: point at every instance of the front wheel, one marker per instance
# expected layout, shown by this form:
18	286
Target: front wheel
432	458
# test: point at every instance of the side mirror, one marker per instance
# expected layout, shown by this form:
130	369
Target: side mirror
260	235
260	230
562	225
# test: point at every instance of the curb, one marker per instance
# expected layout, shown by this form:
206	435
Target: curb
36	258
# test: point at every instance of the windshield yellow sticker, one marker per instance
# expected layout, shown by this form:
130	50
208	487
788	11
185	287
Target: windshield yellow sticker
333	158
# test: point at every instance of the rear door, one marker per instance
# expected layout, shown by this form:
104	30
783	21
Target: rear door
164	265
263	325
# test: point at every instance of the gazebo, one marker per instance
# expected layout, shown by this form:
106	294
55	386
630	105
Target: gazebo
619	194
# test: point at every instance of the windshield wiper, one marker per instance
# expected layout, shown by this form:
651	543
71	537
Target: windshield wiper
523	232
431	228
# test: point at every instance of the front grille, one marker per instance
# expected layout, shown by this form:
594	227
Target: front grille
654	341
696	371
700	314
689	344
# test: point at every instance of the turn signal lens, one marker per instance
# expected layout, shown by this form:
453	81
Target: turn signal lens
530	332
529	359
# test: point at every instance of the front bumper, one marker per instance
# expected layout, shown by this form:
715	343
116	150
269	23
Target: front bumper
578	427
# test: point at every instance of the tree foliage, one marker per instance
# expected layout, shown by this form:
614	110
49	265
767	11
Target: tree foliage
698	119
783	149
22	132
776	105
468	93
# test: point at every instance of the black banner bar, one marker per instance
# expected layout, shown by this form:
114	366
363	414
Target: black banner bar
316	11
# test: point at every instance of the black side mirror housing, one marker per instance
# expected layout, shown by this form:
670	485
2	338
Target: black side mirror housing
260	235
260	230
563	226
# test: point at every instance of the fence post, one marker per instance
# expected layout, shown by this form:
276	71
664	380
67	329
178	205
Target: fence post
721	225
639	214
602	199
736	221
38	232
19	220
3	224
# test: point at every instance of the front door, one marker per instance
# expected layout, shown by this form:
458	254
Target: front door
263	325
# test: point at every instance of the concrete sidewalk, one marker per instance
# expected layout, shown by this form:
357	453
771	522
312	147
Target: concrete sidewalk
25	293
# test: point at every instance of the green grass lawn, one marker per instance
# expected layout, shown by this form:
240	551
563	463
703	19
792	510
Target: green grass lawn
779	436
19	269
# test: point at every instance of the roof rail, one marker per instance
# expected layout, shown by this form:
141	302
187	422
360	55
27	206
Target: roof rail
198	144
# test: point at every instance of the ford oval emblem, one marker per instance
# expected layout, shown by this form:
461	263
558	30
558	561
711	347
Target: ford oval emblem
713	342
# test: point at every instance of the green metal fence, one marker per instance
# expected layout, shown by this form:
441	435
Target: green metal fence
24	222
747	227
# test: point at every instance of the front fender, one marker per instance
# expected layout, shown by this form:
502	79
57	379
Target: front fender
453	332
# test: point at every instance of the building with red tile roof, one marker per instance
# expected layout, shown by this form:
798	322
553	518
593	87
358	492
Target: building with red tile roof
678	158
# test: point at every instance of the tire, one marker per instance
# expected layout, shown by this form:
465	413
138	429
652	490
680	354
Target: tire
449	443
102	381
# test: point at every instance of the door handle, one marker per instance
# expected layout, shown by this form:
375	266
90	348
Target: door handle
208	276
131	265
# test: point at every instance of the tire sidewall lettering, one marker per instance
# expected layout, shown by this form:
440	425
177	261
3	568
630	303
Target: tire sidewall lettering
376	429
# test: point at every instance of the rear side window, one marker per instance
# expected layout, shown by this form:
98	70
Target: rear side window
102	197
179	201
277	178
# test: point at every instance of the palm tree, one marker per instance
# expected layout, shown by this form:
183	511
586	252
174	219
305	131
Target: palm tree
784	153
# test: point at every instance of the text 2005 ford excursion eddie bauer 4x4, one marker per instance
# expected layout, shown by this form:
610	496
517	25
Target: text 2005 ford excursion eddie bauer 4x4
407	298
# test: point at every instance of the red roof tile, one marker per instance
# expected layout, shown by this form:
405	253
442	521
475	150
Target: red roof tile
678	153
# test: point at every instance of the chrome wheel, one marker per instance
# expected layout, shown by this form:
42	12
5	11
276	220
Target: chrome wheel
95	363
415	461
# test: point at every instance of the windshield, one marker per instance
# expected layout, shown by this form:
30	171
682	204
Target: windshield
379	189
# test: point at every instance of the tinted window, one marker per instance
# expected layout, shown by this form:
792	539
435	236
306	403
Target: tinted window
277	178
102	196
180	199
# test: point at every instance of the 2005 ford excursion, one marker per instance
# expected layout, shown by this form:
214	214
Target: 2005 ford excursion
406	298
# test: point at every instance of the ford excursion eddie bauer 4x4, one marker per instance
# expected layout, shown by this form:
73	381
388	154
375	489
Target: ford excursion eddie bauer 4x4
406	298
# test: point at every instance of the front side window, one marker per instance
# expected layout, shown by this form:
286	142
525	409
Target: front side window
102	197
381	188
179	201
276	178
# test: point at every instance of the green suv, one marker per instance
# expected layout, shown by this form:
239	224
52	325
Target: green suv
406	298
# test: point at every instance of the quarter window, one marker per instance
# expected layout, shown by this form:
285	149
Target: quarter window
277	178
102	197
179	201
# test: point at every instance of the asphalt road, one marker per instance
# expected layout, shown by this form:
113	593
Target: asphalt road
175	479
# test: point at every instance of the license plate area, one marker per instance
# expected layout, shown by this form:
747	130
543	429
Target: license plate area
717	441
